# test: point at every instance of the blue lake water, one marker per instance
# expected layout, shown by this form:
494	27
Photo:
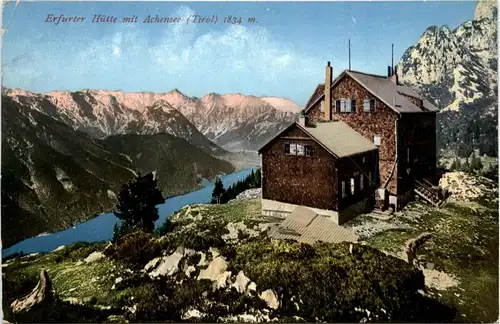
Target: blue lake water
101	227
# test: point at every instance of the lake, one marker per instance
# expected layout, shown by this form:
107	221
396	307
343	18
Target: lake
101	227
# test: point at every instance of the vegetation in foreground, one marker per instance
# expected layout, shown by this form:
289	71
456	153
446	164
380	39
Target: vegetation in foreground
463	249
324	282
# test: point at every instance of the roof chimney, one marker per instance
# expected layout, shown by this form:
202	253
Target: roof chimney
328	91
303	118
395	77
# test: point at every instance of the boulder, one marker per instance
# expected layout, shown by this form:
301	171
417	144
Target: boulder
42	293
59	248
252	287
216	267
152	264
269	296
241	282
94	256
168	265
221	281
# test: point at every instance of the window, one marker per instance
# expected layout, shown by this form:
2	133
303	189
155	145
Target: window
368	105
308	149
322	106
361	182
345	105
300	149
343	189
353	186
376	140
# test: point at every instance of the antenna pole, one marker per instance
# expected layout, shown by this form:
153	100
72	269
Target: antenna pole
349	54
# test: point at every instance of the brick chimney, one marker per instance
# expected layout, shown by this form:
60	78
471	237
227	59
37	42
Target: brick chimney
328	92
394	76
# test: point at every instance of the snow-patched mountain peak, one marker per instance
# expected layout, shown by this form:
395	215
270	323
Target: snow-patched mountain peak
455	67
457	71
486	9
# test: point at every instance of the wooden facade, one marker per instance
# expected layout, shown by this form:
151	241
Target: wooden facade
318	179
407	140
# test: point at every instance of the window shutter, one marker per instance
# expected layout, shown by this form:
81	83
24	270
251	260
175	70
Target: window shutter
337	105
353	105
287	148
372	105
300	149
361	182
343	189
366	105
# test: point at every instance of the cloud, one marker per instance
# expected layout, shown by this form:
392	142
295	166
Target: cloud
232	59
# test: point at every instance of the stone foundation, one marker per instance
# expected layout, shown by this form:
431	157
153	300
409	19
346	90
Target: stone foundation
401	200
273	208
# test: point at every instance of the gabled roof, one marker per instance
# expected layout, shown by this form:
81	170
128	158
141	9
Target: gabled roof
336	137
385	90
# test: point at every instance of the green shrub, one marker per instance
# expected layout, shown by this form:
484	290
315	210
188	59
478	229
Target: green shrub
136	248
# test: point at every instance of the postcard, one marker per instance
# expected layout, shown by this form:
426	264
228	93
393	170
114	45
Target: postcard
331	161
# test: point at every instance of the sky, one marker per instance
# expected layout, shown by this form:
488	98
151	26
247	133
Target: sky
282	53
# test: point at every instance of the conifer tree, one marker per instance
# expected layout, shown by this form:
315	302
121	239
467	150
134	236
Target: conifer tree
137	203
218	192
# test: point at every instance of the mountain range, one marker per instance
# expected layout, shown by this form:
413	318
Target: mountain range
457	70
233	121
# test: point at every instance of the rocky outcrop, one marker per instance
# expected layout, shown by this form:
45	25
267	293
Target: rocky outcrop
216	272
250	194
465	187
456	69
41	294
94	256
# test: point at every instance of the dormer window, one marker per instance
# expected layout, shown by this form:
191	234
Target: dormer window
368	105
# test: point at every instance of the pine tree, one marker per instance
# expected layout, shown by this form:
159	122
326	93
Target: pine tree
218	192
137	202
475	162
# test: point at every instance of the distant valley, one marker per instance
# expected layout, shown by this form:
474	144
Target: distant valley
54	177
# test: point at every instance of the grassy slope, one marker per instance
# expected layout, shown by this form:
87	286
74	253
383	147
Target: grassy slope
329	280
464	244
